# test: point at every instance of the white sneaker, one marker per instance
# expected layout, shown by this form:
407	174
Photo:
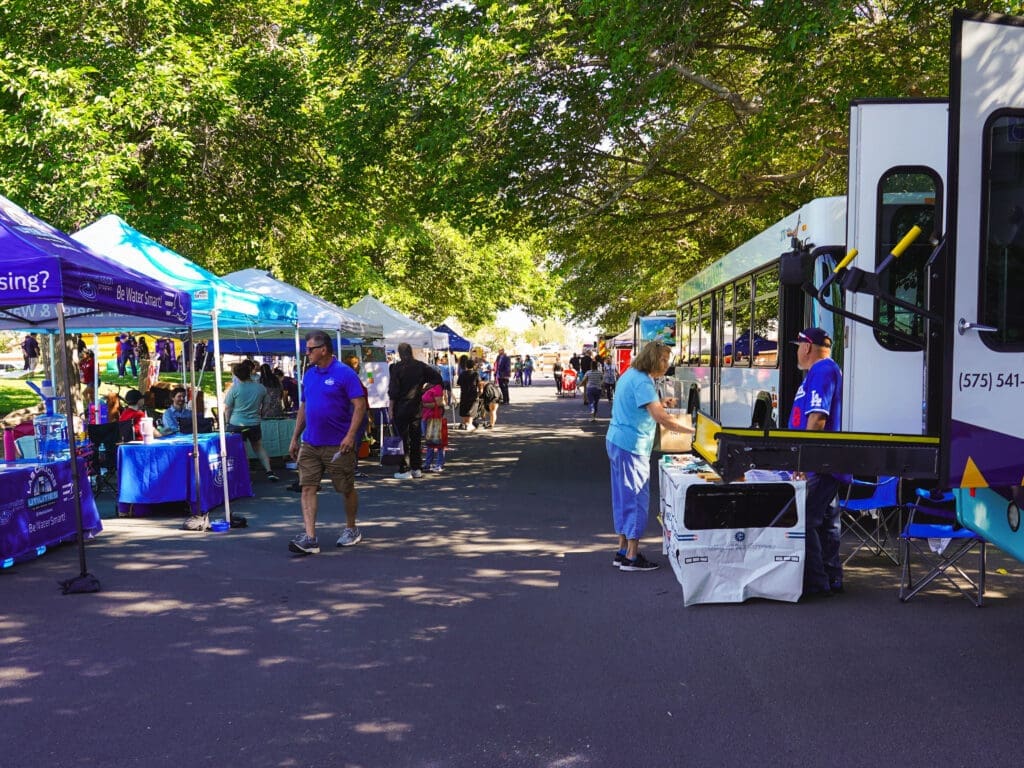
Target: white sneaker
350	537
403	475
470	428
417	473
438	469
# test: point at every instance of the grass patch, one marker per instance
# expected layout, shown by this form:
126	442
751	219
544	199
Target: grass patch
15	394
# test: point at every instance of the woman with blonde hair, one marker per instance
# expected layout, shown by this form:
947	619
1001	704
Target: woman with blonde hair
636	412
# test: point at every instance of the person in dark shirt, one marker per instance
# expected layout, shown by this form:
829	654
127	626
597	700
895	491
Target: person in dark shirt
30	351
503	373
405	389
290	387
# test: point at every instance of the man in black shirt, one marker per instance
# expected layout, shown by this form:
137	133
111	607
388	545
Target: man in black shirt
408	377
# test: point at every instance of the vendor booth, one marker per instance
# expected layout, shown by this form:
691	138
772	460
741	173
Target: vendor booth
51	283
151	474
398	328
37	508
219	308
621	347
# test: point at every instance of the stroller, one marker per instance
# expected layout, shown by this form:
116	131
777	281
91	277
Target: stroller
568	383
490	394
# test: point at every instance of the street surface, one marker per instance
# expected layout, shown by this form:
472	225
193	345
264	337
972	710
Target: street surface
481	623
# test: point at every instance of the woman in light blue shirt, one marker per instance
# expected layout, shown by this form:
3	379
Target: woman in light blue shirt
636	412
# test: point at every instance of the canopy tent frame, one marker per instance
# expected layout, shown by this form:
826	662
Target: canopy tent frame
47	272
221	306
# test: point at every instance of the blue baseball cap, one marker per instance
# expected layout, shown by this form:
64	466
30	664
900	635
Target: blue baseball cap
817	336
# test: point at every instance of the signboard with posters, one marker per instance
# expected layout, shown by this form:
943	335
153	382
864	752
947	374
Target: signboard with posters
658	328
374	373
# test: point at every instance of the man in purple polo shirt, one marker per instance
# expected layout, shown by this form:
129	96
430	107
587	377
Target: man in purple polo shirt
328	423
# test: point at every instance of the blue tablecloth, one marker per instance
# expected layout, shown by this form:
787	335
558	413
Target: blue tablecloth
37	508
162	472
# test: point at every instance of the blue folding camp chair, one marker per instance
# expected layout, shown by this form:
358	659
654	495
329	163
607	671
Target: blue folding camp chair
932	536
871	515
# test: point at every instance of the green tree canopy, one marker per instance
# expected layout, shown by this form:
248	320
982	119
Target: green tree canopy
454	158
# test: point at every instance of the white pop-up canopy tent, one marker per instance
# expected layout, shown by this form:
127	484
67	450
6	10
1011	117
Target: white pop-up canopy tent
314	314
398	327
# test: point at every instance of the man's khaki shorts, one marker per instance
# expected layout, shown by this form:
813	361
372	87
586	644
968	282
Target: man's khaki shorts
315	461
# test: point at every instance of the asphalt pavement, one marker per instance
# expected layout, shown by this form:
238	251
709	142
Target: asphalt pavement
481	623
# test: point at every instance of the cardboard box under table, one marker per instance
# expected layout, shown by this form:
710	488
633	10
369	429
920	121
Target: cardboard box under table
731	542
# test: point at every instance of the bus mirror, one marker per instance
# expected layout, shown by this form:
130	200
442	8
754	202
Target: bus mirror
792	270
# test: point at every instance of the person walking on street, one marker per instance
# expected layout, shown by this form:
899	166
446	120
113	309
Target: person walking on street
818	407
503	373
445	369
557	369
325	439
433	417
468	383
608	378
592	387
528	371
586	363
405	389
630	439
30	351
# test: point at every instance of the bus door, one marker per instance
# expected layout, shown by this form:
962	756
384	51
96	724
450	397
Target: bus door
898	151
983	436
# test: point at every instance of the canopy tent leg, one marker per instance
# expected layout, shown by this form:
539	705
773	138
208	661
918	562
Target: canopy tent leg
85	581
95	379
219	378
190	372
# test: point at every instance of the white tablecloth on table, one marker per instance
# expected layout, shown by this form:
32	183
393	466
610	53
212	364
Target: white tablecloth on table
733	564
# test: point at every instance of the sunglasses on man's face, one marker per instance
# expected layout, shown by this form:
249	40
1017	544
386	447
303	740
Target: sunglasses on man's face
313	349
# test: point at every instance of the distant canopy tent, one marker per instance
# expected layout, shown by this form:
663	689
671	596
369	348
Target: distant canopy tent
218	307
47	279
399	328
761	344
456	343
314	314
624	339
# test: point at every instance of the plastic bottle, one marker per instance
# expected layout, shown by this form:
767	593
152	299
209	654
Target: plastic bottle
41	426
59	443
51	432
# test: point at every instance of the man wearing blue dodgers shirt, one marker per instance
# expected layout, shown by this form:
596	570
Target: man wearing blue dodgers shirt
328	422
818	407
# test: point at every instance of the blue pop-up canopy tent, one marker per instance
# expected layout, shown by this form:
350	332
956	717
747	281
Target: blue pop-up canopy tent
456	343
217	305
49	279
44	268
